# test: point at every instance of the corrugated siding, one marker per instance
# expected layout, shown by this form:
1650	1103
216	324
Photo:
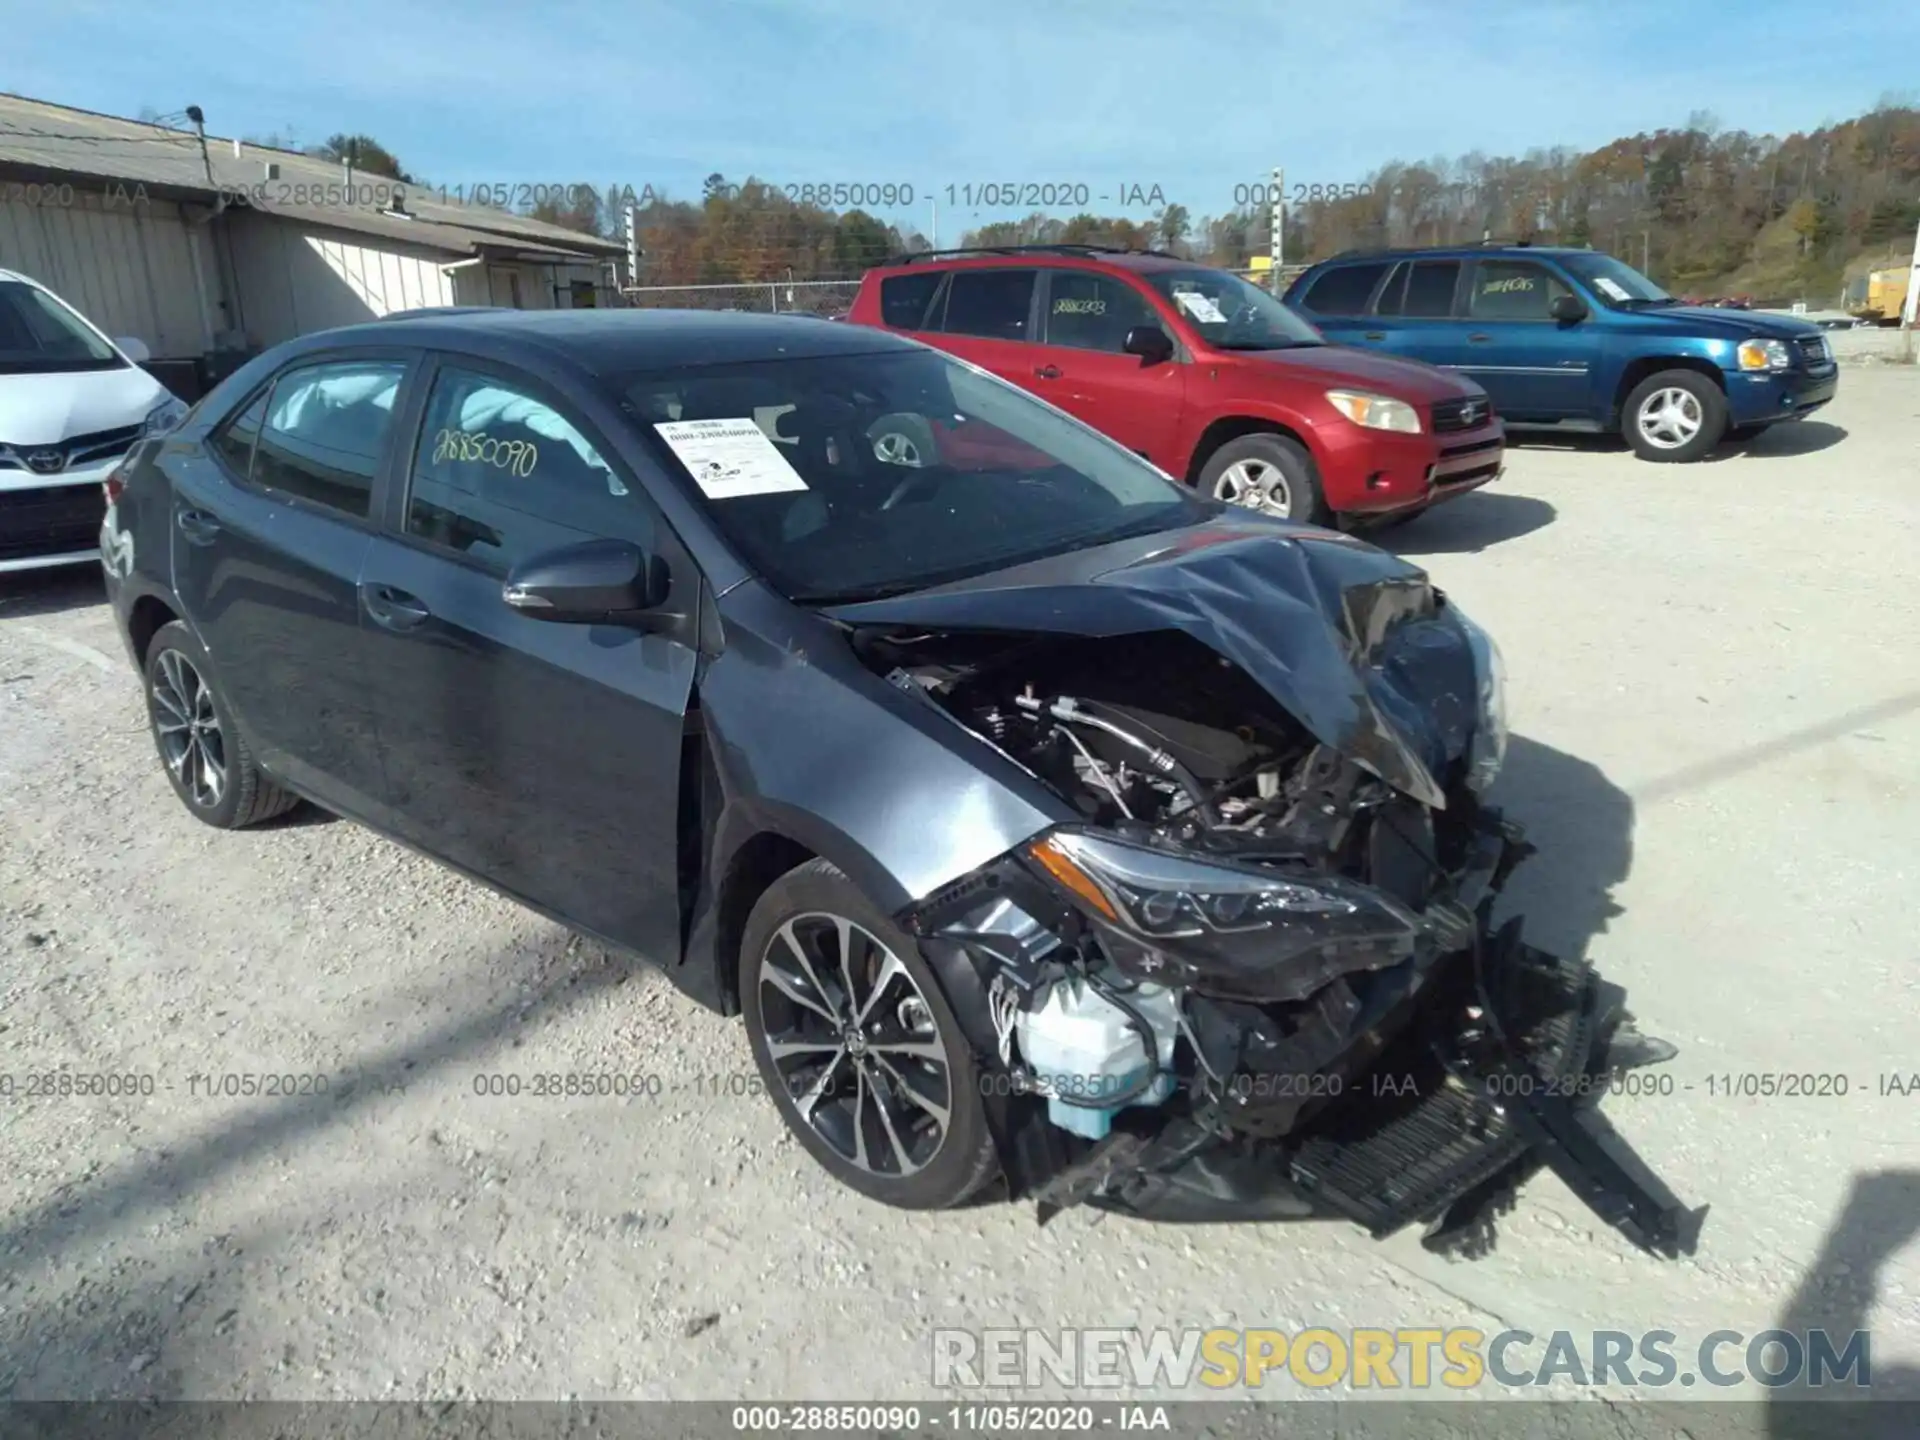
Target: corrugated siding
127	265
295	279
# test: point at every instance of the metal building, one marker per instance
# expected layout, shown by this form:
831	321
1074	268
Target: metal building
208	250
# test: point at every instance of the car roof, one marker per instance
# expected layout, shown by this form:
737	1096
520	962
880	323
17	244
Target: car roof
1067	257
612	341
1449	252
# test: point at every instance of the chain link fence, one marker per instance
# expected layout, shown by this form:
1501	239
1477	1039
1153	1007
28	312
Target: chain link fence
775	297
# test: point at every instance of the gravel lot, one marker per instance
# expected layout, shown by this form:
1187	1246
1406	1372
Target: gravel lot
1717	716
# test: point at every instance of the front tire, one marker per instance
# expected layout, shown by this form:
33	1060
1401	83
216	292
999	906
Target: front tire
1675	417
855	1041
1270	474
206	758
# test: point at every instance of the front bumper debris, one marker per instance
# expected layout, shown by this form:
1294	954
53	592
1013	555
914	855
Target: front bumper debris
1421	1096
1497	1079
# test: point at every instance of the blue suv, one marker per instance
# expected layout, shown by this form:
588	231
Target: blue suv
1576	340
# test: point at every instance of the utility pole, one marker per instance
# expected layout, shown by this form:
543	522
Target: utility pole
633	243
1646	251
199	119
933	236
1912	307
1277	251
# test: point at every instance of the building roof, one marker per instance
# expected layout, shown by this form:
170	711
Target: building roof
57	139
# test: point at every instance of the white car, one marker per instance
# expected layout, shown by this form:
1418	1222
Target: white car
72	403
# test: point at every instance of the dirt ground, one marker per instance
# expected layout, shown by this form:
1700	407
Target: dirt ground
1715	689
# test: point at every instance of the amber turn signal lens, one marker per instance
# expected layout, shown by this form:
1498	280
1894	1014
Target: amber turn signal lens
1057	863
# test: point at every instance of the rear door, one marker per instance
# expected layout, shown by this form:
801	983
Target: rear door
990	315
1336	301
1415	313
1085	371
542	757
272	520
1534	367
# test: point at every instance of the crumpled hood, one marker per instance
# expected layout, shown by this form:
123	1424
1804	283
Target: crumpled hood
1353	642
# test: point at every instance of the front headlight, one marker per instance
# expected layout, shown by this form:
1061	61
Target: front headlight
1764	355
163	417
1488	752
1376	412
1233	930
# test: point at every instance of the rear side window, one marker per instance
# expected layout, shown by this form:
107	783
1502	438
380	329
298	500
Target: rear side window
1089	311
1430	288
1343	291
993	304
500	475
324	431
234	441
904	299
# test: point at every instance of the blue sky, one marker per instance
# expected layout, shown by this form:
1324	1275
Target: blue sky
1196	96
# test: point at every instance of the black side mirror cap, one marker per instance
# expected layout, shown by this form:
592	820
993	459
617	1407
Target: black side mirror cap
1569	309
608	582
1149	342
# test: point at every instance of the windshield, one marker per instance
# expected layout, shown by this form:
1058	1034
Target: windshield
849	477
39	333
1230	313
1617	284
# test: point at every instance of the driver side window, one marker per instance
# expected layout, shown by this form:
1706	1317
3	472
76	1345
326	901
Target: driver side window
1513	290
500	474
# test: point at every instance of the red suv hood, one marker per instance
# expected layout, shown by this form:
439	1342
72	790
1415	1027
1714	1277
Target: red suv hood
1343	364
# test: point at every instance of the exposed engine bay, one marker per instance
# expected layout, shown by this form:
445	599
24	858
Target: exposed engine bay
1258	979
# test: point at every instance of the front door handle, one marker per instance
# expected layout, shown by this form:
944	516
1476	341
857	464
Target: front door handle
198	526
1047	372
1374	335
1479	339
393	609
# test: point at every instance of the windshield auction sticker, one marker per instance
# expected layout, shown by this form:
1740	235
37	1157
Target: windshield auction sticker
730	458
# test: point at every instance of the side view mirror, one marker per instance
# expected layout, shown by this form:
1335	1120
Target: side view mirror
134	348
1149	342
611	582
1569	309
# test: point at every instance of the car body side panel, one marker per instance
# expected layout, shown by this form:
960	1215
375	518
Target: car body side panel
838	795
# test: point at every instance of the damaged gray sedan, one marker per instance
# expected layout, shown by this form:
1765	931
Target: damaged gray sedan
1052	828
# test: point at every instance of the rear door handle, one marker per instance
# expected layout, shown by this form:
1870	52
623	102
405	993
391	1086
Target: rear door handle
1479	339
393	609
1047	372
1374	335
198	526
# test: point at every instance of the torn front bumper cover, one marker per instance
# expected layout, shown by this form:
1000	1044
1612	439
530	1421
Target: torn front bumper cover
1502	1075
1425	1095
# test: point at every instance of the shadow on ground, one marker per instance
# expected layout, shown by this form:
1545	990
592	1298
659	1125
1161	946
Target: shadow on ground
1776	442
1582	824
102	1335
1467	525
24	593
1881	1217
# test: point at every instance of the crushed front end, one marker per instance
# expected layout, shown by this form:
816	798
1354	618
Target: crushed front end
1260	979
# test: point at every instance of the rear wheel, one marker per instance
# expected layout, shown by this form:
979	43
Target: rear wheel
855	1040
1272	474
1675	417
206	759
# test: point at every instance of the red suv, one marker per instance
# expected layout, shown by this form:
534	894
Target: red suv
1207	376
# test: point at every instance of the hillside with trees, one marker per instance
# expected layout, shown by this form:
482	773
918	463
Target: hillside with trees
1701	208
